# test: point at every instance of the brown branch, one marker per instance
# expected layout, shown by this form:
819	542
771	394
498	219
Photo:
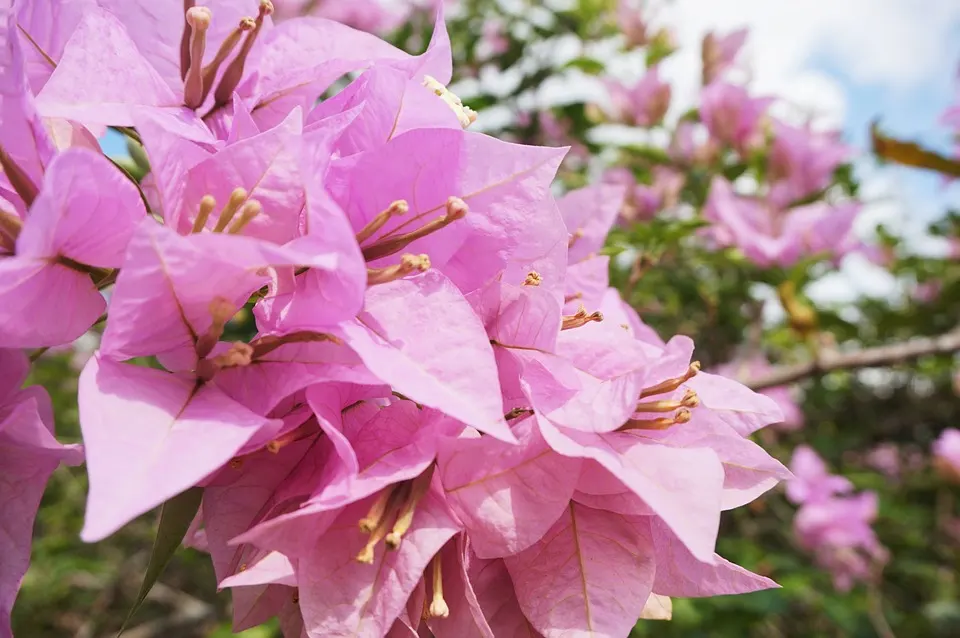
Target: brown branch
828	361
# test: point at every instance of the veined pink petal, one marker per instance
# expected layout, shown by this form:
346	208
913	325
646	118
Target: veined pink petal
507	496
681	575
33	294
494	590
87	210
182	433
590	576
102	77
421	336
682	486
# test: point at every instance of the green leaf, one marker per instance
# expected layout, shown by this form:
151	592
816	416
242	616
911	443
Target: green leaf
175	518
587	65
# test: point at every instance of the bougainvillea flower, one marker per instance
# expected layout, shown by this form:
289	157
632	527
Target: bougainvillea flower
812	481
78	229
719	53
838	531
193	283
769	235
184	66
332	582
184	432
482	207
507	496
802	162
453	371
731	115
643	104
601	590
29	453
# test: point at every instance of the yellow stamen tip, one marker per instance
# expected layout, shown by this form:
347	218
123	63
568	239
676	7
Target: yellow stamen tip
250	210
266	7
393	540
247	24
533	279
365	556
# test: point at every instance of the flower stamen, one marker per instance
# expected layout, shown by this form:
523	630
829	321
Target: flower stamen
207	204
250	210
581	318
438	606
533	279
662	423
234	72
226	48
237	198
199	19
399	207
408	264
671	384
456	209
418	488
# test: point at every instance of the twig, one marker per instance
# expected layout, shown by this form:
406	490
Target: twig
829	361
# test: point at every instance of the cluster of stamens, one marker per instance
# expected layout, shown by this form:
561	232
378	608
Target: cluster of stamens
233	217
678	410
391	514
198	80
393	242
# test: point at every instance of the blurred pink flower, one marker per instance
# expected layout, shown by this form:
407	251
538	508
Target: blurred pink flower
731	115
811	481
802	162
493	38
632	22
885	458
838	531
643	104
719	53
946	454
769	235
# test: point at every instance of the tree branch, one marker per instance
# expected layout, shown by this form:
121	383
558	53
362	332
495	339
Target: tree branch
828	361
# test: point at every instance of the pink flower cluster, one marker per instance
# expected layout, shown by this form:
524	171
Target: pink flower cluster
770	227
833	523
447	418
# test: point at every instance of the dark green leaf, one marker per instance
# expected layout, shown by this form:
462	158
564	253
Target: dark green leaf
175	518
